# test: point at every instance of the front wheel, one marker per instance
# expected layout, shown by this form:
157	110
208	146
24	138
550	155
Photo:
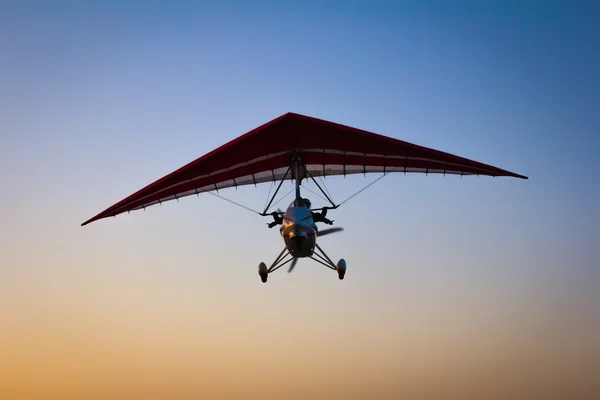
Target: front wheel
341	268
263	272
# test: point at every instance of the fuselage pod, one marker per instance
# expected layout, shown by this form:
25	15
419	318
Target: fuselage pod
298	230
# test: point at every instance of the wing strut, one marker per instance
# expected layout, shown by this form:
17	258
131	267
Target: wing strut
264	213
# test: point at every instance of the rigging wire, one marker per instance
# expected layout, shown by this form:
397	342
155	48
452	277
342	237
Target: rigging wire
325	187
365	188
283	197
288	193
233	202
269	195
313	192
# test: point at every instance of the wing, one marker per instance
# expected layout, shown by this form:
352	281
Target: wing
265	153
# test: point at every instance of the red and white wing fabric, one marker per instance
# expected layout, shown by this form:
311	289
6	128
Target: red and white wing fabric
326	148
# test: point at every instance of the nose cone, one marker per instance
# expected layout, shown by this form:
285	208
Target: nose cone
298	243
299	239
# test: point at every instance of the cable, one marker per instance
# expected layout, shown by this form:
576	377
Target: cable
313	192
269	195
325	187
233	202
283	197
288	193
363	189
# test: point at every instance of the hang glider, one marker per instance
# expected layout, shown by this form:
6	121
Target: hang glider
325	148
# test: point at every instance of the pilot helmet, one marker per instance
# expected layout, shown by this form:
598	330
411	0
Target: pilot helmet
306	203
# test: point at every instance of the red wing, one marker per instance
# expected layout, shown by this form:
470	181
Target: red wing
265	153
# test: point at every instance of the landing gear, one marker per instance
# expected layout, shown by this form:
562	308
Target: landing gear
279	262
318	255
322	258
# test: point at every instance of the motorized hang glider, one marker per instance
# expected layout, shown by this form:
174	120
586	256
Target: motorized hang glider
297	147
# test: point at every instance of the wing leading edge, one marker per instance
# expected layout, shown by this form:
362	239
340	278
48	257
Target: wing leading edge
265	153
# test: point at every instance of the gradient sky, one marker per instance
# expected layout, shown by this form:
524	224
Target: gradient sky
455	286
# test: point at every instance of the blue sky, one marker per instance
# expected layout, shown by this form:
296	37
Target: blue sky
98	100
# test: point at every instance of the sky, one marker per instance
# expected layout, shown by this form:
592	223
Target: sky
456	287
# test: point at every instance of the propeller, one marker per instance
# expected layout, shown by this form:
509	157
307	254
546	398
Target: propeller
293	264
330	230
324	232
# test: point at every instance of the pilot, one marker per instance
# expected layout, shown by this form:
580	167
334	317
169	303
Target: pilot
277	219
318	217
